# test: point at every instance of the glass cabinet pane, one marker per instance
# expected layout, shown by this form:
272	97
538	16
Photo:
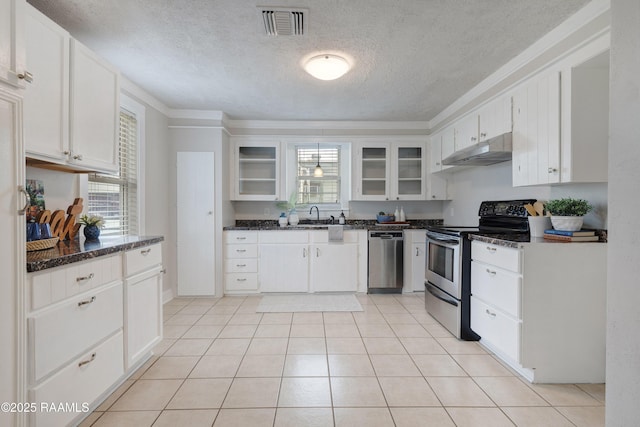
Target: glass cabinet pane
257	171
409	171
374	171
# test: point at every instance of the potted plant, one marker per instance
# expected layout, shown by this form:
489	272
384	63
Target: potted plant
568	214
92	225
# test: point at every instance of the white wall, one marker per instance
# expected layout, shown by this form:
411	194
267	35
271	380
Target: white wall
60	188
623	287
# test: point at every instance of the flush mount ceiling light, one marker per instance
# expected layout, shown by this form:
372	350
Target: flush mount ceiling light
327	66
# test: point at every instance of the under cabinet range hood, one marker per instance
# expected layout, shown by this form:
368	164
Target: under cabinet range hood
489	152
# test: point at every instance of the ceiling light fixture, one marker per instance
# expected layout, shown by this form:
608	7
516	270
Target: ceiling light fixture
327	66
318	172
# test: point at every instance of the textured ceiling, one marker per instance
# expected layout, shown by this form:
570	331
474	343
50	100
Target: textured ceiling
411	58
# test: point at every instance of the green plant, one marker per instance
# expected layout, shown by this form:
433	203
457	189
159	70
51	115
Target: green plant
568	207
96	220
291	203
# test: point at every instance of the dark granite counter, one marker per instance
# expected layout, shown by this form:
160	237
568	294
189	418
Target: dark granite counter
70	251
350	225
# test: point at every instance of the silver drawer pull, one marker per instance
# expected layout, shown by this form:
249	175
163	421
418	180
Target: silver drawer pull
89	360
241	265
241	250
87	301
490	249
145	252
492	272
241	238
241	280
26	76
81	279
490	313
163	271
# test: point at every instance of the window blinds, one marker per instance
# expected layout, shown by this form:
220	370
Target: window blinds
317	190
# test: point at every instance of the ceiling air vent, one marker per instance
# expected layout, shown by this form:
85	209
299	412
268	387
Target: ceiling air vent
284	22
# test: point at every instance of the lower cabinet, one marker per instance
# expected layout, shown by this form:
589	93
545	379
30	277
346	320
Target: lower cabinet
415	251
333	267
283	267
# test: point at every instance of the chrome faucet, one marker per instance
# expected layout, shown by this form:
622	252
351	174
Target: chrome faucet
317	212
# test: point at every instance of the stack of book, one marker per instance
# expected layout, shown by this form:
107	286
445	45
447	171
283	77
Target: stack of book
571	236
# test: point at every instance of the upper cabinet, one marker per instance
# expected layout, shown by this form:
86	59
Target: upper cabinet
408	181
467	131
12	51
257	170
71	109
495	118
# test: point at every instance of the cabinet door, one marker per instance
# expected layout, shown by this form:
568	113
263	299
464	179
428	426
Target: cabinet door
95	111
12	52
283	268
409	161
414	266
332	268
435	149
466	132
373	172
257	171
448	144
46	102
143	327
495	118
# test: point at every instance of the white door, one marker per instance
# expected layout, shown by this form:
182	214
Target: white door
196	225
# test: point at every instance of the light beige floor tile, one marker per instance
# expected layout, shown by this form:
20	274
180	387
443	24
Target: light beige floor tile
189	347
537	417
170	367
390	345
481	365
356	392
479	417
245	418
597	391
408	391
92	418
238	331
338	318
195	309
229	347
253	393
245	319
438	365
261	366
216	367
455	346
305	392
163	346
345	346
142	369
306	365
422	417
115	396
410	331
437	330
369	417
272	331
308	318
424	318
179	301
369	317
190	418
171	309
222	309
208	301
276	319
422	346
453	391
350	365
400	319
214	319
231	301
200	394
341	330
174	331
307	417
392	309
127	419
509	391
306	346
166	316
584	416
183	319
375	330
304	330
147	395
203	331
268	346
394	365
564	395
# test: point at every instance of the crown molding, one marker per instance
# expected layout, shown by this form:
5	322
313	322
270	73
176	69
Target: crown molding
320	125
135	91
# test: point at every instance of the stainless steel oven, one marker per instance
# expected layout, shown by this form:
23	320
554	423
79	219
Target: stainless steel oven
443	262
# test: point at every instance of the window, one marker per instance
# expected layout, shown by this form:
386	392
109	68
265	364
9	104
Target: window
317	190
115	197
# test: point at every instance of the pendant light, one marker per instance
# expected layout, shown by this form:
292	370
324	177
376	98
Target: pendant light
318	172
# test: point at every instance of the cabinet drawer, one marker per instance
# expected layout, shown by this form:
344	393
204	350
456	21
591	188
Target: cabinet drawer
501	288
241	251
61	333
500	256
240	237
241	265
496	328
144	258
79	382
241	282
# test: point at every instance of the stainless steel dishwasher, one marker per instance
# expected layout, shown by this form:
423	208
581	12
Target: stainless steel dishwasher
385	262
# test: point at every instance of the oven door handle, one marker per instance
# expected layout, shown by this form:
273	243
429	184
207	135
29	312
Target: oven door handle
430	289
449	243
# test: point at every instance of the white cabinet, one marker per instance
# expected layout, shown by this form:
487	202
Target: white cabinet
541	308
12	52
414	260
495	118
373	171
46	102
408	172
466	132
333	266
257	170
143	302
240	261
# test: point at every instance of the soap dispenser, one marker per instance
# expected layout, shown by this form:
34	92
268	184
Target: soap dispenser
342	219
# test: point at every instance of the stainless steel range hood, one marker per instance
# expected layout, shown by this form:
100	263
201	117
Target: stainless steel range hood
489	152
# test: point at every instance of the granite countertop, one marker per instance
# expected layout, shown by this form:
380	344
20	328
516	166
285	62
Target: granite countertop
70	251
516	241
350	225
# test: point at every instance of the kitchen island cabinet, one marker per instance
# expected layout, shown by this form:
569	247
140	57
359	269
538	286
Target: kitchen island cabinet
541	307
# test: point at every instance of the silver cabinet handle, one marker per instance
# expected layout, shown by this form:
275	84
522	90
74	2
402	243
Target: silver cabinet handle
241	238
145	252
473	138
241	265
89	360
87	301
304	252
483	134
66	152
163	271
26	76
241	250
81	279
317	252
241	280
24	210
210	213
77	157
490	249
552	170
490	313
492	272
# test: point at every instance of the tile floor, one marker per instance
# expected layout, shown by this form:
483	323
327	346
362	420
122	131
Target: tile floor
223	364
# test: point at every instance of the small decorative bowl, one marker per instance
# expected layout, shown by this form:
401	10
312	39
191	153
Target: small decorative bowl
385	218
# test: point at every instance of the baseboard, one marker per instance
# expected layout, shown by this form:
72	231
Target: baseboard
167	296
